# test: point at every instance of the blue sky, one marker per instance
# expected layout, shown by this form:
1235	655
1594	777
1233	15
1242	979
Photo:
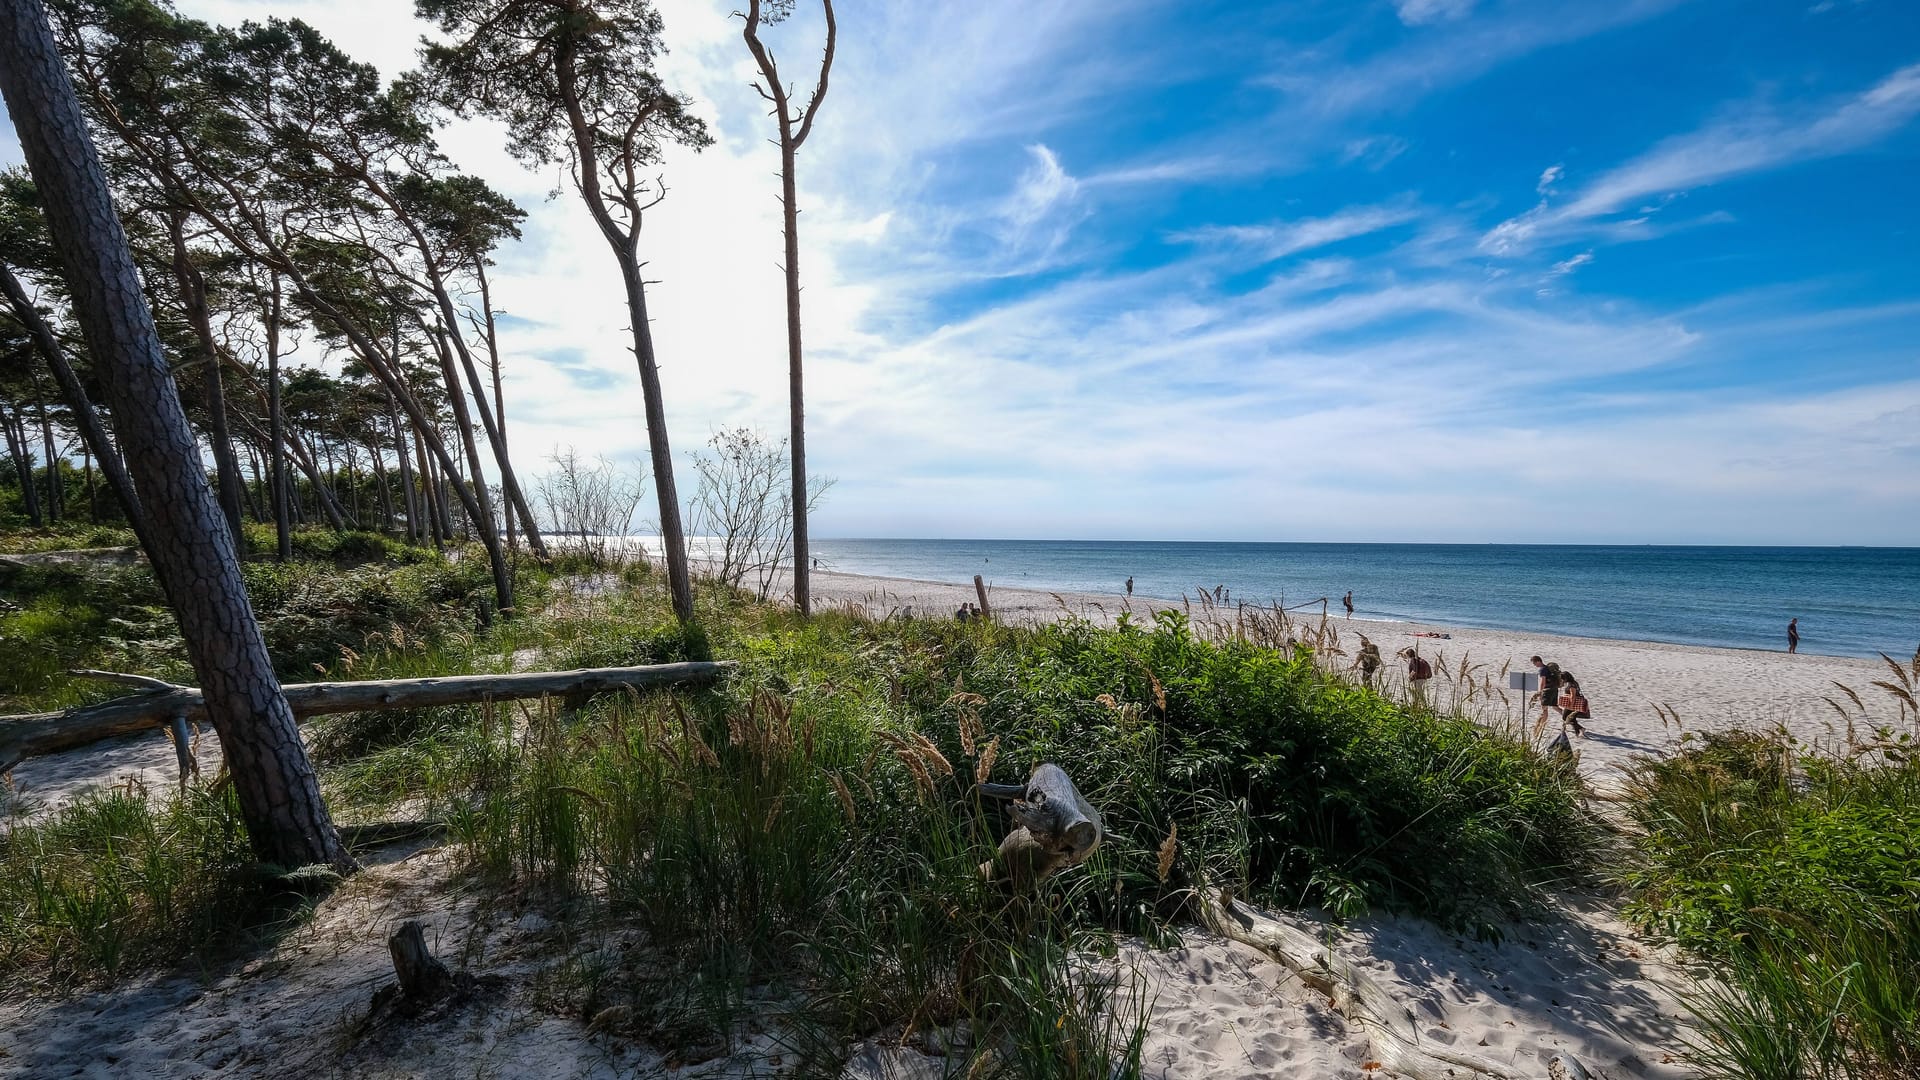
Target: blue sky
1437	270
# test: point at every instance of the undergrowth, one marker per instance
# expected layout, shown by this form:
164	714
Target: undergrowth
1798	875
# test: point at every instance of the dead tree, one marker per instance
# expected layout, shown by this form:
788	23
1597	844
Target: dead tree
794	129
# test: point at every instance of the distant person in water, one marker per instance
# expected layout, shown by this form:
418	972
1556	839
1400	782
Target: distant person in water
1549	693
1129	585
1348	600
1419	671
1793	634
1368	661
1573	705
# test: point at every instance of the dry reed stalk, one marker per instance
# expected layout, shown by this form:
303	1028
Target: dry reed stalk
1168	848
985	768
845	796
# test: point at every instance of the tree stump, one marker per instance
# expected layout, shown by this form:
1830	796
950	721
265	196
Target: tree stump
423	979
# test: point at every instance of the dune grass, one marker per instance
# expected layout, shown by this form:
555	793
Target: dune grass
1797	874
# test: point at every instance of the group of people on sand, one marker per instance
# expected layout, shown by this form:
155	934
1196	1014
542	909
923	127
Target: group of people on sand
1419	668
1560	690
967	612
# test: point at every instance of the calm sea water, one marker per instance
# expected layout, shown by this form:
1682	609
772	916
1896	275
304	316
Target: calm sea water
1850	601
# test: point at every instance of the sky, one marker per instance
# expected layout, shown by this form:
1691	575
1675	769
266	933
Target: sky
1618	271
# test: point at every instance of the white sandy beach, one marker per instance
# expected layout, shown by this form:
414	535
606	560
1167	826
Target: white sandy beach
1711	689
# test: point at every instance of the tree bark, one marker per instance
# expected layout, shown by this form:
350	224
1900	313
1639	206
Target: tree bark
499	399
193	552
409	499
38	734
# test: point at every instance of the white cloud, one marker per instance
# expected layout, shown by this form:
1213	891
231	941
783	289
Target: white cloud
1750	141
1548	177
1281	239
1418	12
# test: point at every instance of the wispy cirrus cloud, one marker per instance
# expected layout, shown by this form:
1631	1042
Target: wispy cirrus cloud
1329	85
1750	140
1418	12
1277	240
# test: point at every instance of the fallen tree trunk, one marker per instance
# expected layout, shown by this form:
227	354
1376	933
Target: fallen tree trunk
36	734
1392	1031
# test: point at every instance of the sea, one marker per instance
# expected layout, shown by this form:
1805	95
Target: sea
1851	601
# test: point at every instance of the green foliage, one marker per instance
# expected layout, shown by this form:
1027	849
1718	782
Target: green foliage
1801	879
67	536
113	882
315	612
350	548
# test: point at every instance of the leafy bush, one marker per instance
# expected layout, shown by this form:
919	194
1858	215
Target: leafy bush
1800	877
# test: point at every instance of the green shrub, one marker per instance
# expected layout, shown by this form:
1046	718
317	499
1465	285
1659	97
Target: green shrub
1800	878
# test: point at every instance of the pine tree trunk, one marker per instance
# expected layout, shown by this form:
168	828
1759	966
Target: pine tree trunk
56	504
408	498
277	431
500	404
193	296
193	553
673	536
796	397
23	465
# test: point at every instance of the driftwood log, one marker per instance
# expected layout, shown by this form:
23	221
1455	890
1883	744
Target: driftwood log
164	704
1056	828
1393	1033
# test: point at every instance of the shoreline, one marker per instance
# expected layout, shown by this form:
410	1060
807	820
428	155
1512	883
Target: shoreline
1632	683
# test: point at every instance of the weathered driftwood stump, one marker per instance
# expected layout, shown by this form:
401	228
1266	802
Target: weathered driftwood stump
1056	828
423	978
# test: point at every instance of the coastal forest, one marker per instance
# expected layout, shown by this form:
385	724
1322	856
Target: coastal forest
454	778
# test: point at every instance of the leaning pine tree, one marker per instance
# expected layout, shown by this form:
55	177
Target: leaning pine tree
193	552
574	81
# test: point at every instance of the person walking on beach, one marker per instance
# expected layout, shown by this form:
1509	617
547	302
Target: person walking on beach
1368	661
1573	705
1793	635
1348	600
1129	584
1418	673
1549	693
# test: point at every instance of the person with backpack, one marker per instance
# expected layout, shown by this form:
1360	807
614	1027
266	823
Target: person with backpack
1368	661
1573	705
1549	694
1418	672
